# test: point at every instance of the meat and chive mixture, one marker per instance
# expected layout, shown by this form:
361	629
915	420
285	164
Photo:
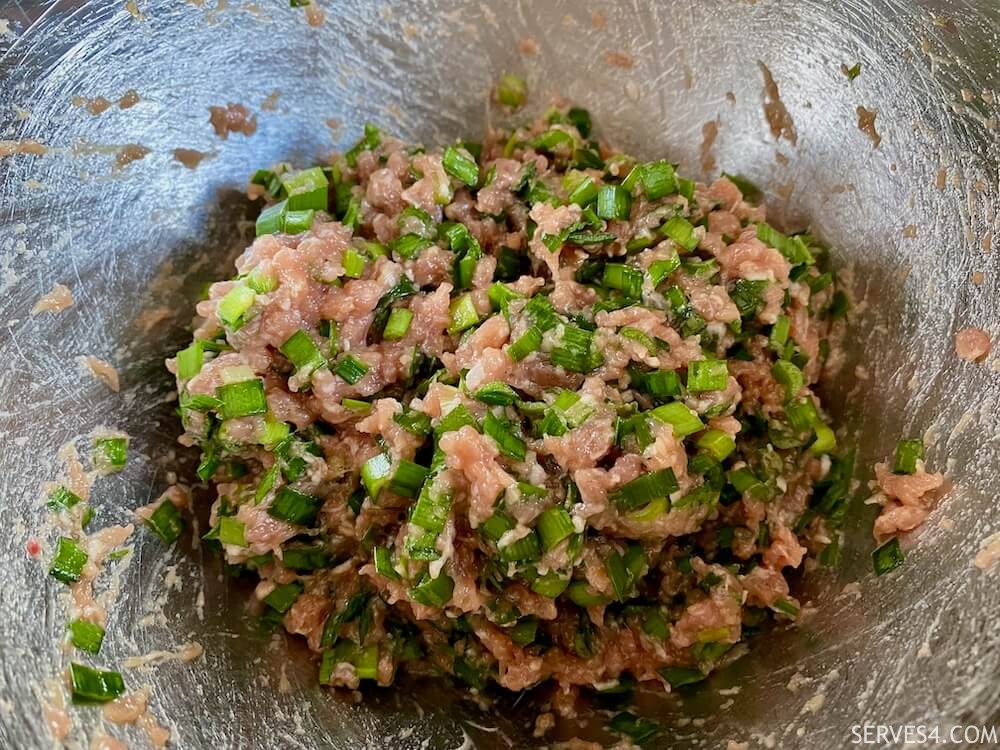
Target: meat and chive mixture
515	411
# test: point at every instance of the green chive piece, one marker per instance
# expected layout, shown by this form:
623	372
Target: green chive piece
789	376
354	263
301	559
659	270
375	473
307	189
283	596
507	440
398	324
582	595
242	399
90	685
408	479
614	202
371	140
190	360
272	219
658	179
718	444
62	498
460	166
888	557
433	592
110	454
681	676
707	375
852	72
303	353
645	489
778	337
793	248
166	521
512	91
233	307
383	564
295	507
626	279
908	452
554	525
463	314
351	369
528	342
584	193
681	231
826	439
415	422
86	636
297	222
550	585
683	420
524	549
232	531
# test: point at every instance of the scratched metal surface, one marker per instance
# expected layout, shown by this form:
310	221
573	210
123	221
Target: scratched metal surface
920	646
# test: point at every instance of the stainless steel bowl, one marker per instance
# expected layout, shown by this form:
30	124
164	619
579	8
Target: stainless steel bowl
913	218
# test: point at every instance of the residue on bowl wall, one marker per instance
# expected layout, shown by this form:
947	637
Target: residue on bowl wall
232	118
866	124
133	708
189	157
103	371
778	118
528	46
270	102
972	344
619	59
23	146
57	300
988	557
709	132
95	106
129	153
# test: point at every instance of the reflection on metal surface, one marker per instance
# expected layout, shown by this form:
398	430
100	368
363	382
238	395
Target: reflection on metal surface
133	241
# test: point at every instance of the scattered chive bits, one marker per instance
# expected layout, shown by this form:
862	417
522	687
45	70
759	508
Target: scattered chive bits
110	454
89	685
523	375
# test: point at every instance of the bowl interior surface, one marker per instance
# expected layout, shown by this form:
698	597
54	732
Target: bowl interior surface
910	221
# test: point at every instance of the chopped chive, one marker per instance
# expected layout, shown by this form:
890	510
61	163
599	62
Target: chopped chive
554	525
658	179
90	685
582	595
553	140
61	499
110	454
351	369
306	189
375	473
302	352
789	376
402	289
462	314
613	202
86	636
271	220
261	283
383	564
852	72
190	360
371	140
716	443
166	521
793	248
786	607
512	91
778	337
456	419
707	375
283	596
496	394
541	313
496	526
528	342
231	531
297	222
826	439
503	434
233	307
645	489
908	452
584	193
356	405
524	631
302	559
550	585
398	324
409	245
413	421
590	238
641	337
433	592
681	676
524	549
683	420
659	270
888	557
460	166
242	399
576	352
295	507
408	479
681	231
626	279
354	263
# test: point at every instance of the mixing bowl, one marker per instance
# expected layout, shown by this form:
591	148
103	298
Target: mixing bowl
111	211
